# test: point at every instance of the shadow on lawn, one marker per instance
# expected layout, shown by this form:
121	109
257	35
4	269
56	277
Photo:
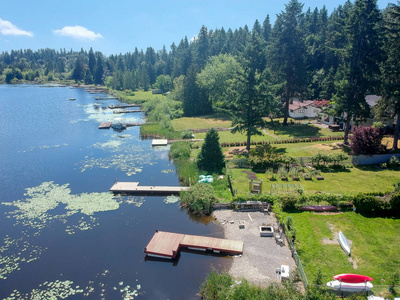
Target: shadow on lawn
297	131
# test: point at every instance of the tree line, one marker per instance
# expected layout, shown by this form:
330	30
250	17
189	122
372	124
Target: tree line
251	73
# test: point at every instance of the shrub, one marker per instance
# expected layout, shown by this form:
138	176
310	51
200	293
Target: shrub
395	203
370	204
393	162
366	141
179	150
288	201
187	134
199	198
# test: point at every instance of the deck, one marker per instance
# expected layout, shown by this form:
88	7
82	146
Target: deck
105	125
123	106
134	188
167	244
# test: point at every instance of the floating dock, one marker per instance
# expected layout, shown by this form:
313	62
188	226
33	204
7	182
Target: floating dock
105	125
127	111
123	106
167	244
134	188
162	142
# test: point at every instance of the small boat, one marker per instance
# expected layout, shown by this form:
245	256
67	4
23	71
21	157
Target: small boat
350	287
352	278
344	243
72	99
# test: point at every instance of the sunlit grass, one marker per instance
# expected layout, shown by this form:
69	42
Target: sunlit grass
348	181
138	97
199	123
374	245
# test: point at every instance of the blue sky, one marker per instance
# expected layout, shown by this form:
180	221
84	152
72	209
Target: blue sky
120	26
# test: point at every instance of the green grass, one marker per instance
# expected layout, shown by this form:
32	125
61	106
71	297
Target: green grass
302	130
227	136
375	245
139	97
199	123
355	180
309	149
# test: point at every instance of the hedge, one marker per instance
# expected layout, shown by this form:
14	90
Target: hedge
285	141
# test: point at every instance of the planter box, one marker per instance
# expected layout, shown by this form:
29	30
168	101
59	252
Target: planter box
266	230
306	176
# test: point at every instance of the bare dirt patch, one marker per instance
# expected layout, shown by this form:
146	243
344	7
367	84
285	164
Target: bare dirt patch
261	255
326	147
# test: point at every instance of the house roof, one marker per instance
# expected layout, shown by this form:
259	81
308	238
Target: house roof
316	103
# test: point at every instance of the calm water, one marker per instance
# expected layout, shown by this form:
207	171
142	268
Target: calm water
53	156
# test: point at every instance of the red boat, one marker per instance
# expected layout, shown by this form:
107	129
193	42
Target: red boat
352	278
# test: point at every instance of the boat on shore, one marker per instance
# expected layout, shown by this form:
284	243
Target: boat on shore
352	278
344	243
350	287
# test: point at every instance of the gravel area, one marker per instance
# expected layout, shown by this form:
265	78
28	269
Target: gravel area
261	255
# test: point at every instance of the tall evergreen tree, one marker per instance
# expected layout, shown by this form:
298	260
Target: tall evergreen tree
287	54
360	70
391	67
99	69
211	159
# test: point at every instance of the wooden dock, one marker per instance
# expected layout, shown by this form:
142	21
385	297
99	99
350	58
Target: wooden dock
134	188
105	125
167	244
162	142
127	111
123	106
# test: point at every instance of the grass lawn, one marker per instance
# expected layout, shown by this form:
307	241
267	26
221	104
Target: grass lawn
354	180
309	149
200	123
374	242
302	130
139	97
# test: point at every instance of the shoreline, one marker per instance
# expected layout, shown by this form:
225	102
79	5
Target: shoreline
261	255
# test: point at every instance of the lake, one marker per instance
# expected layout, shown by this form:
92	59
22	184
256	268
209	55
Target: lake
62	233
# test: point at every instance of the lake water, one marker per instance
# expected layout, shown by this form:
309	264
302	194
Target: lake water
61	232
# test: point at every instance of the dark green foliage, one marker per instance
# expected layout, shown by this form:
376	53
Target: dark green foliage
395	203
211	159
180	150
370	204
199	199
390	102
287	54
187	170
216	286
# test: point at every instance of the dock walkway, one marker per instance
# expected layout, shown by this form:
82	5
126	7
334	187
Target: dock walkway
167	244
134	188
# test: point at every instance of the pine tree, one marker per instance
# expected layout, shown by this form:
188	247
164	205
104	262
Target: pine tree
391	67
360	69
211	159
287	54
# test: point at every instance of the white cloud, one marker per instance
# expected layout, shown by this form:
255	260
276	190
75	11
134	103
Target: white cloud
78	32
7	28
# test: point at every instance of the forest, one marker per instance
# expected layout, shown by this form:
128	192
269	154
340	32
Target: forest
253	72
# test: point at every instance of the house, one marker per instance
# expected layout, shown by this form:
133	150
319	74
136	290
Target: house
306	109
327	117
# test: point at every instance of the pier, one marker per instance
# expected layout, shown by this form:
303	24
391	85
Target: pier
167	244
127	111
123	106
133	188
107	125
